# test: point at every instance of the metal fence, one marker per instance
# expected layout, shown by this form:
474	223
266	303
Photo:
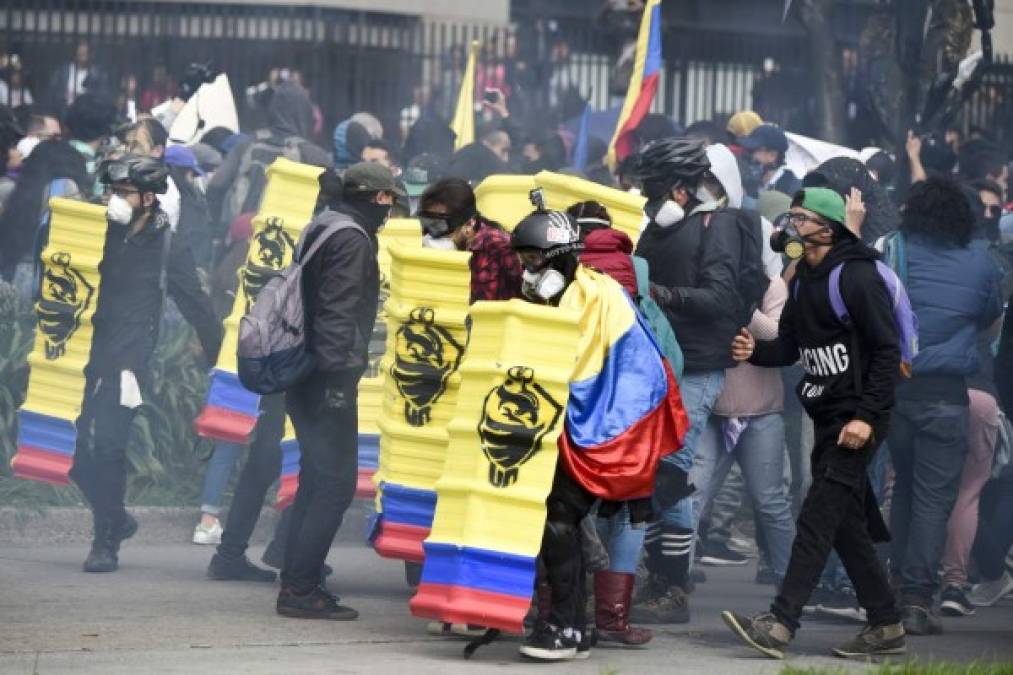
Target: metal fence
353	60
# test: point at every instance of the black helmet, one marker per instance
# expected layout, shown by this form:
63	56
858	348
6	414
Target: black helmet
668	163
551	232
144	173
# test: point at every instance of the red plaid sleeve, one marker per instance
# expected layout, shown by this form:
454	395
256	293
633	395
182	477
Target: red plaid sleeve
495	268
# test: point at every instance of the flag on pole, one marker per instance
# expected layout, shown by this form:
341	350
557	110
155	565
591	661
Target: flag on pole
643	82
464	114
583	134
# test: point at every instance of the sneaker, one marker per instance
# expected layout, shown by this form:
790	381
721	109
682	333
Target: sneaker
317	604
763	632
987	593
588	639
954	602
919	620
274	556
671	606
765	576
841	604
719	555
819	595
208	536
237	569
550	643
874	641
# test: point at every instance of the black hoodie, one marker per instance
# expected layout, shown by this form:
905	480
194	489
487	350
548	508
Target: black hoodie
831	391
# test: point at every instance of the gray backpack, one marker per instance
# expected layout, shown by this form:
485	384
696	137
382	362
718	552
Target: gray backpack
272	355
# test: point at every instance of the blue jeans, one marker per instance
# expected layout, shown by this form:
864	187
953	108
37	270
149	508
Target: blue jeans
623	541
760	454
216	479
700	391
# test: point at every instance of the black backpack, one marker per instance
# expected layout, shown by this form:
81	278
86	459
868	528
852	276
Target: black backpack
753	280
251	178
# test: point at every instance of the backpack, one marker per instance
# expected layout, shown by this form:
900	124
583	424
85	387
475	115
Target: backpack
657	320
903	316
251	177
272	355
753	280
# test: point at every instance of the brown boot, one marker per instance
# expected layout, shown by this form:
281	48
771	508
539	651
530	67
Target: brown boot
612	594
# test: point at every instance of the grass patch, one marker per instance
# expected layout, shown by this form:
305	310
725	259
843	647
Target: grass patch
913	668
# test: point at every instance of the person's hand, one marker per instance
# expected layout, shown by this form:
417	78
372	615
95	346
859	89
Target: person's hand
855	435
662	295
500	106
914	146
743	345
854	211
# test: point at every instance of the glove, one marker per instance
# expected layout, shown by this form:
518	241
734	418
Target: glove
670	485
666	297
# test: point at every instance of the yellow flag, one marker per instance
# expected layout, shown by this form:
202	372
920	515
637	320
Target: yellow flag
464	114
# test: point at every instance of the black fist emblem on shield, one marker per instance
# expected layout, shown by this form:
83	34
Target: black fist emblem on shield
270	251
516	416
66	295
425	356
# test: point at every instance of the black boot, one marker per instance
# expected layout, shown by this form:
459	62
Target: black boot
105	546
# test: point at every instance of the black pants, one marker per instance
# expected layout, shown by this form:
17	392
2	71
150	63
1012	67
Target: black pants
838	513
326	424
566	506
100	455
263	464
995	527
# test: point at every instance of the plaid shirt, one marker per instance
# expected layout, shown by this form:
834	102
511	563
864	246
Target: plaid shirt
495	268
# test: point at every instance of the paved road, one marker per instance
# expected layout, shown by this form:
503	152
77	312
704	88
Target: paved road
160	615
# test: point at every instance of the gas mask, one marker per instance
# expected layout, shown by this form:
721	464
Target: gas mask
786	239
544	285
667	214
119	210
439	243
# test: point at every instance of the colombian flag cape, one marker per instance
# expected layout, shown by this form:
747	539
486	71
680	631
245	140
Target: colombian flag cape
624	411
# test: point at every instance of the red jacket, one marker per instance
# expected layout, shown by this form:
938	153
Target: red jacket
608	250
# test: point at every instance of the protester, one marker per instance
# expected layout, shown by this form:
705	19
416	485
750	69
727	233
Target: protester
90	120
139	268
75	78
341	288
768	145
547	242
194	218
351	137
848	391
451	221
695	256
954	291
484	158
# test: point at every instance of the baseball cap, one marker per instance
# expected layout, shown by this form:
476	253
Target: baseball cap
183	157
743	123
824	201
368	177
769	136
422	172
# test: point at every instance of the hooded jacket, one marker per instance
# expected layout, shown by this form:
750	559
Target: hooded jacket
848	373
341	288
290	115
608	250
955	294
698	259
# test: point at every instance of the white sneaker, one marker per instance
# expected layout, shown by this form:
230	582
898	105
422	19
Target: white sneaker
987	593
208	536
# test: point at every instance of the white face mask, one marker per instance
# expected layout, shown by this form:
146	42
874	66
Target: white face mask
441	243
544	285
706	196
670	213
119	210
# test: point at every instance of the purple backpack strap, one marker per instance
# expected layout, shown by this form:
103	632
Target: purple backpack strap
836	299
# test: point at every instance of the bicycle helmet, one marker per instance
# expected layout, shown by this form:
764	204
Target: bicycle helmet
668	163
144	173
553	233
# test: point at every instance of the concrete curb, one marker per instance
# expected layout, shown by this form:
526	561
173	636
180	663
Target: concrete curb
158	524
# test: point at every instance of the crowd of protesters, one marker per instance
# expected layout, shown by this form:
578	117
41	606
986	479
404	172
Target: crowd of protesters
879	493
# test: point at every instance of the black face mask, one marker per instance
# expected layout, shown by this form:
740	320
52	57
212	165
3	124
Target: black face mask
375	215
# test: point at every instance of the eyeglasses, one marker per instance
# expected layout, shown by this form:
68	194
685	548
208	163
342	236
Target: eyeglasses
796	219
